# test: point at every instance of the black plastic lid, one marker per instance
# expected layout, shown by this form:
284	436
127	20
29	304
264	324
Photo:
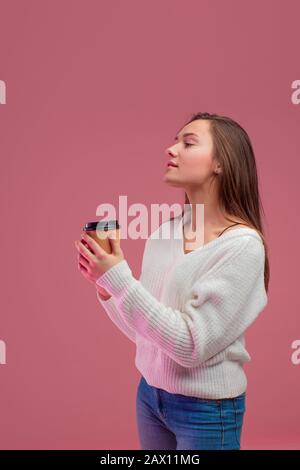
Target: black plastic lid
102	225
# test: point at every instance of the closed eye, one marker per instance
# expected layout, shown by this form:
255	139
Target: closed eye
186	144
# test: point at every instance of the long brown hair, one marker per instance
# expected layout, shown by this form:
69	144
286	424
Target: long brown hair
239	193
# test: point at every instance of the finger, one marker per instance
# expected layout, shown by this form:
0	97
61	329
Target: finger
114	243
85	244
82	255
94	245
82	268
84	251
85	273
82	260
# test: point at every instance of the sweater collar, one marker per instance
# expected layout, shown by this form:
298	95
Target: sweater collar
184	220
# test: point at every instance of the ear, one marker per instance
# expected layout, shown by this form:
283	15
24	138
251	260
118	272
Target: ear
218	169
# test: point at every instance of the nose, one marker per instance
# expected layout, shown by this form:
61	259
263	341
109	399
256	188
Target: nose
169	153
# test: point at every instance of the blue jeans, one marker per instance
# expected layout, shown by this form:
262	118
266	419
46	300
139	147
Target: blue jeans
168	421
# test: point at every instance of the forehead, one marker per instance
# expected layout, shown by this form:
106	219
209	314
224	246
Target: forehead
199	127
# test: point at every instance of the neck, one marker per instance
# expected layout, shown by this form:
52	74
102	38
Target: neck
213	215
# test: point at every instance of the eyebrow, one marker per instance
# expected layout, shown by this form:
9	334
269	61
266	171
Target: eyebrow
187	133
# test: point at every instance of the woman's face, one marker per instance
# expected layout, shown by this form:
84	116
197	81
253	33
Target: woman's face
193	154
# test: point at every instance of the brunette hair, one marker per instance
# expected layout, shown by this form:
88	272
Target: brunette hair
239	193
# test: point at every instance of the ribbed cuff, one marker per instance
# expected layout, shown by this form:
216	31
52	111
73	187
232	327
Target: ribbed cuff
117	279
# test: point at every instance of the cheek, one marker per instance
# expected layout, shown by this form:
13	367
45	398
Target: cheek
197	163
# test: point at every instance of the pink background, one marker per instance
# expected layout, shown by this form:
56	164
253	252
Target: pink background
95	93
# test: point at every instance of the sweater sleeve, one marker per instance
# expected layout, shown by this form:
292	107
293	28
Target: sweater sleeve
113	312
111	308
221	305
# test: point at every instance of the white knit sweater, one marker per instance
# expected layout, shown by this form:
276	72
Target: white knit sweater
188	313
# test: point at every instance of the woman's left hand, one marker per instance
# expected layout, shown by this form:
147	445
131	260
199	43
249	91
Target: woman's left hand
94	260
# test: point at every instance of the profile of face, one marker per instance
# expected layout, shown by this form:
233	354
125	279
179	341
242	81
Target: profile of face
192	152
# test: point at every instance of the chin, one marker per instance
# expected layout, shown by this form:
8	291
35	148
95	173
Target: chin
171	181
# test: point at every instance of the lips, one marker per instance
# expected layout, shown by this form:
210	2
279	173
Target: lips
172	164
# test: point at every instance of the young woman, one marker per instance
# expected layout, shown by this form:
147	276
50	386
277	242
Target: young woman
190	309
